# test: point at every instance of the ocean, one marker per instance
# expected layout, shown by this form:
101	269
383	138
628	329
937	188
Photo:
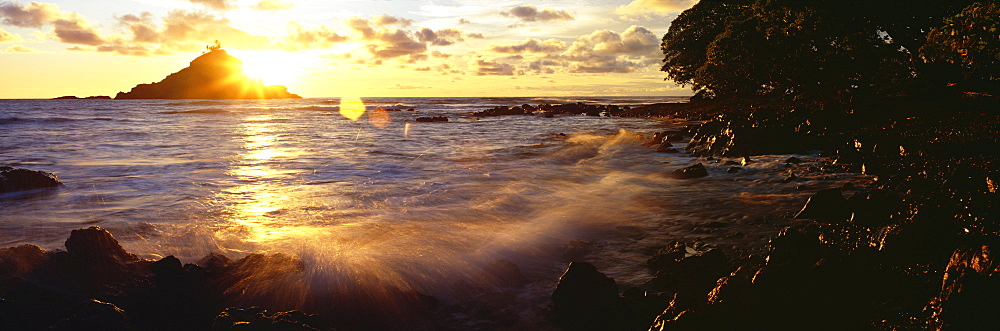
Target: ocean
378	198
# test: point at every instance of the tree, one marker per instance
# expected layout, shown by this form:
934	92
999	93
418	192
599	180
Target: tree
214	47
798	48
967	46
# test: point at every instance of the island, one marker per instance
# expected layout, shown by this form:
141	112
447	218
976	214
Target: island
213	75
73	97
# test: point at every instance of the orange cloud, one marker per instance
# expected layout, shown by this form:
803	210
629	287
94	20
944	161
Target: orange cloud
19	49
70	28
7	37
531	45
216	4
659	7
532	14
273	5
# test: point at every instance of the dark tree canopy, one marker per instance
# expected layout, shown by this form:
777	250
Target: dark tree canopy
831	50
966	48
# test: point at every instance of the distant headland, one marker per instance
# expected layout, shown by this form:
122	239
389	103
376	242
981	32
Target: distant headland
213	75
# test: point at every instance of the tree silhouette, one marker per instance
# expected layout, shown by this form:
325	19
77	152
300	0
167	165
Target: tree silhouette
214	47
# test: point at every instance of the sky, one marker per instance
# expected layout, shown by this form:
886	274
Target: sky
363	48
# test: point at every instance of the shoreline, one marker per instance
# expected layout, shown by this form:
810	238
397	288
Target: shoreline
880	242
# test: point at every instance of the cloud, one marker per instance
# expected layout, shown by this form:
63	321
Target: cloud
273	5
73	29
410	87
463	21
532	14
70	28
217	4
190	31
19	49
7	37
494	68
386	20
443	37
476	36
321	37
655	7
608	51
34	15
531	45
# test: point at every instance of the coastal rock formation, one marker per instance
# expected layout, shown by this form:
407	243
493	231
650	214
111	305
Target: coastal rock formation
18	179
696	171
213	75
73	97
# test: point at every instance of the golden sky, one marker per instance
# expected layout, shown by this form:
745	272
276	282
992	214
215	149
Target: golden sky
364	48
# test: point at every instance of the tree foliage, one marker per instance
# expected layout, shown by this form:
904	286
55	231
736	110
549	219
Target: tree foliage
800	48
967	46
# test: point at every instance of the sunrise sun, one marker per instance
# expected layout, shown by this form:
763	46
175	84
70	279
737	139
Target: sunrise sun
272	67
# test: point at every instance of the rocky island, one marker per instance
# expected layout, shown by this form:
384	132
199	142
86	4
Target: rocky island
213	75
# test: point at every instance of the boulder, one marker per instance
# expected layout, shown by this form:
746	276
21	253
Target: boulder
969	291
585	298
255	318
695	171
827	205
18	179
432	119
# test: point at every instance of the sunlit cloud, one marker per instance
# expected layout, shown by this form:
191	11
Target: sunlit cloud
34	15
273	5
7	37
658	7
494	68
70	28
216	4
532	14
531	45
19	49
606	51
386	20
321	37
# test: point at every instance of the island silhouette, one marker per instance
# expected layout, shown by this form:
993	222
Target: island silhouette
213	75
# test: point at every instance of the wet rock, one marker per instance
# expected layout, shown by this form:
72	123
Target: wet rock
745	161
791	177
733	170
255	318
21	260
431	119
695	171
214	262
95	315
793	160
827	205
752	134
692	276
969	291
873	209
96	246
18	179
586	299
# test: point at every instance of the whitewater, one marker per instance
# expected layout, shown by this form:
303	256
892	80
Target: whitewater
379	199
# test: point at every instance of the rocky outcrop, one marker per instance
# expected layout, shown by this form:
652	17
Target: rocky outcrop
18	179
213	75
73	97
696	171
548	110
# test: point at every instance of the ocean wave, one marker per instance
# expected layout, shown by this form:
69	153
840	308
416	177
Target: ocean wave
198	111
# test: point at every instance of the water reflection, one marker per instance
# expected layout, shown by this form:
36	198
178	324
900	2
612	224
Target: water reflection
262	192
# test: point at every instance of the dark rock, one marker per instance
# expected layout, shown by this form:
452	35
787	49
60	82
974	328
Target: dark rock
791	177
872	209
94	261
95	315
692	276
827	205
667	256
21	260
95	245
695	171
254	318
741	135
432	119
969	291
73	97
733	170
793	160
745	161
586	299
17	179
213	75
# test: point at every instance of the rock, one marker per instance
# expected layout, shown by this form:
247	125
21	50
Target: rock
432	119
827	205
969	291
94	261
213	75
691	276
756	133
793	160
695	171
20	260
664	147
791	177
255	318
585	298
733	170
95	315
73	97
872	209
745	161
18	179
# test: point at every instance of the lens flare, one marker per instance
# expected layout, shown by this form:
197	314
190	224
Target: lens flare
379	118
352	107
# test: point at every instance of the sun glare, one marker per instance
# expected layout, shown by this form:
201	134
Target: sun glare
272	67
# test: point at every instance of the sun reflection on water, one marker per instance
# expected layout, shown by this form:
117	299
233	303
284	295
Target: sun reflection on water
263	192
